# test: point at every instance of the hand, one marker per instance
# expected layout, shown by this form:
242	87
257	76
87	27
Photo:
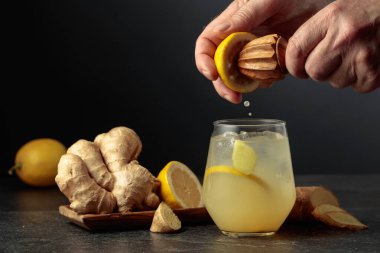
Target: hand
340	44
260	17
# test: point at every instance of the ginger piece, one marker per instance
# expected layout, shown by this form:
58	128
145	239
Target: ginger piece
92	157
84	194
165	220
337	217
134	185
317	203
307	199
118	147
134	188
110	161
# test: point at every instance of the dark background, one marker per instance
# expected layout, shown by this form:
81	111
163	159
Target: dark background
79	68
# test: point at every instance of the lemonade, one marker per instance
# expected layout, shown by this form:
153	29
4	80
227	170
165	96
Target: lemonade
248	184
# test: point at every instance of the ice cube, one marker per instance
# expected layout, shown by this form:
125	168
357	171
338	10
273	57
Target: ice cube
231	135
226	140
244	135
273	135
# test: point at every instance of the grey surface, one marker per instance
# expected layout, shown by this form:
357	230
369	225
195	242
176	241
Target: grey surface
30	222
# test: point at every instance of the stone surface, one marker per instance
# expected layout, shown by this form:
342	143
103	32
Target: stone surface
30	222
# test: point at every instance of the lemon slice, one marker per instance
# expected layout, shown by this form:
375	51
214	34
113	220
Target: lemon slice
226	57
224	169
180	187
244	157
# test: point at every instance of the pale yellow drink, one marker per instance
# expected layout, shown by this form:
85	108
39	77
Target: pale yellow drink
258	202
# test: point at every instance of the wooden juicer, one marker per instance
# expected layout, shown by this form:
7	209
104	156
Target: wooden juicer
263	59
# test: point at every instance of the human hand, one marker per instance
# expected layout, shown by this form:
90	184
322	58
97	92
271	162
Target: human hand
260	17
340	44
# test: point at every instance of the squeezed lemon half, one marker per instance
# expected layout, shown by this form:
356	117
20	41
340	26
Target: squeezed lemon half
226	57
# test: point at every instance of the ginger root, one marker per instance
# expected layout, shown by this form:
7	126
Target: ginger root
165	220
84	194
92	157
307	199
110	163
337	217
317	203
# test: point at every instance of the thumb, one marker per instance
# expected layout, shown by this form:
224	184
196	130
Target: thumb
250	15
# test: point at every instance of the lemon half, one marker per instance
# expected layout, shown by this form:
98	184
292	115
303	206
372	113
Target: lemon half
180	187
226	57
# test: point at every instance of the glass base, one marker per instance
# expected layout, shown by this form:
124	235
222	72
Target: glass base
246	234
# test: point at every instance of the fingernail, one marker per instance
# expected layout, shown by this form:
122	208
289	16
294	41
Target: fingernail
206	73
222	27
228	98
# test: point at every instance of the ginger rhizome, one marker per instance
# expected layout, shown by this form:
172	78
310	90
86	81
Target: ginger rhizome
84	194
110	163
307	199
319	203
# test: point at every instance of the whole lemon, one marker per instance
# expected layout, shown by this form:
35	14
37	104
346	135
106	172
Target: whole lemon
36	162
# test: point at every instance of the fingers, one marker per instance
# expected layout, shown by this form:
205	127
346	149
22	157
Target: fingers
343	76
303	41
204	58
226	93
240	15
207	42
358	69
366	67
329	47
250	15
324	59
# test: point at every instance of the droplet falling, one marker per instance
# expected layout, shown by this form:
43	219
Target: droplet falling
247	104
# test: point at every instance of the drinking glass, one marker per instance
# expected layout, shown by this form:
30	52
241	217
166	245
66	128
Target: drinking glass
248	186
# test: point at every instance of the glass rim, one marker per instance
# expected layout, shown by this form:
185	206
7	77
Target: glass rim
249	122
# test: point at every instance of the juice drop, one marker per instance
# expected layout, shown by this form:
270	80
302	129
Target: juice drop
247	104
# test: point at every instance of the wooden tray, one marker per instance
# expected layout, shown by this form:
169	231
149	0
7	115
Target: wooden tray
131	220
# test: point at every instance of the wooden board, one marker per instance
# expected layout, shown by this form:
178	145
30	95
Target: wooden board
131	220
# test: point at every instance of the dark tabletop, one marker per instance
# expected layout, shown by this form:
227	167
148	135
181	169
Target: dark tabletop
30	222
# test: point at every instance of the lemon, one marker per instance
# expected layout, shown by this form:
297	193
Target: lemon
224	169
180	187
226	57
229	170
36	162
244	157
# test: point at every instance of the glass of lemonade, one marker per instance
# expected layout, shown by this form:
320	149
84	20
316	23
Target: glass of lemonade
248	185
